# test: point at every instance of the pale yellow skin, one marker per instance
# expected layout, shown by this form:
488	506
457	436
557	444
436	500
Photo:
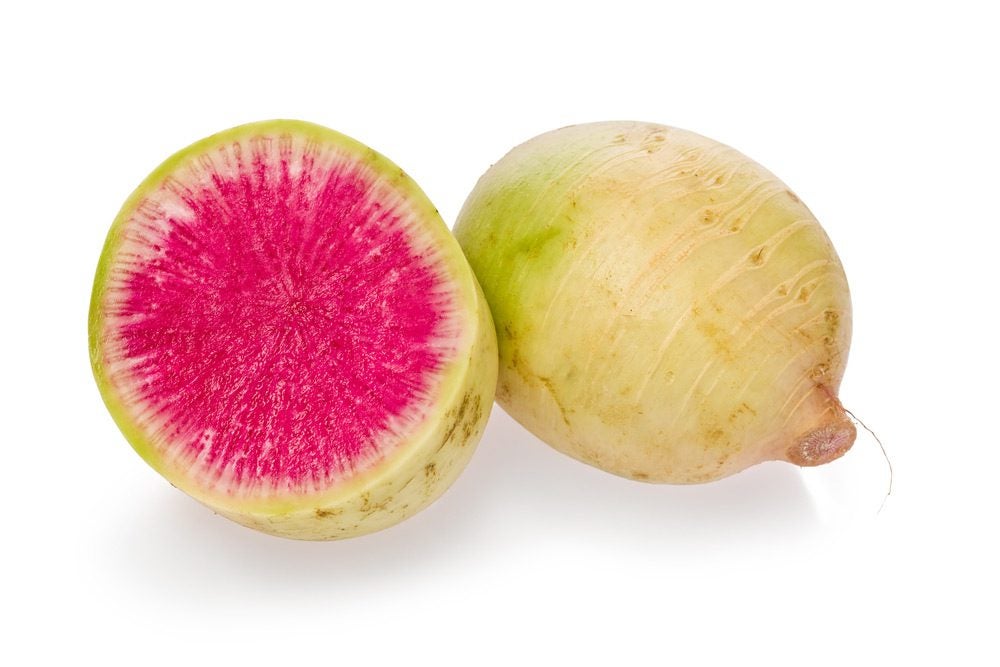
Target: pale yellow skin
666	309
414	470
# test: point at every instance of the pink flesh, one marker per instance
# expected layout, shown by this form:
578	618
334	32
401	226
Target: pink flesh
281	323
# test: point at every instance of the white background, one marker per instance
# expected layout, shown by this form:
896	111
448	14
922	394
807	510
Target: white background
880	116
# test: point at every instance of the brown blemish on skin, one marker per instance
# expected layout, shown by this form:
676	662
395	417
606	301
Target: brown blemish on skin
430	470
462	407
757	256
792	195
832	324
641	476
547	383
503	391
373	508
518	366
465	417
719	338
456	415
819	372
782	290
326	513
804	293
447	435
469	426
742	409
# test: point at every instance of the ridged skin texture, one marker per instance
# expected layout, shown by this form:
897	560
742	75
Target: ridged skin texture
415	468
666	308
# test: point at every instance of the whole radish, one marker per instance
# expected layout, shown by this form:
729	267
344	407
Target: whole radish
283	327
666	308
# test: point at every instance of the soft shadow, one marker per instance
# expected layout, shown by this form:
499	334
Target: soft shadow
516	494
519	477
177	545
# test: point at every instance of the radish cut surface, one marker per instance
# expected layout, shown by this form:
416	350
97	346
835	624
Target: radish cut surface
279	311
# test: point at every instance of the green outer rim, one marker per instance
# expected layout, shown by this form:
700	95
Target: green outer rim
452	257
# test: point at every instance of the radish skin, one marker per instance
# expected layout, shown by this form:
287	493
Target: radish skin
666	308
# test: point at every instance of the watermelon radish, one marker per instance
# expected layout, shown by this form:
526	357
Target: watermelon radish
283	327
668	310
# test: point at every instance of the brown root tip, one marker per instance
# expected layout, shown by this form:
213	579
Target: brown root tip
823	444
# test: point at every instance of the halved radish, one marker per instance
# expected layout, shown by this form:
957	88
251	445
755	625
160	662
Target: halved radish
284	328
